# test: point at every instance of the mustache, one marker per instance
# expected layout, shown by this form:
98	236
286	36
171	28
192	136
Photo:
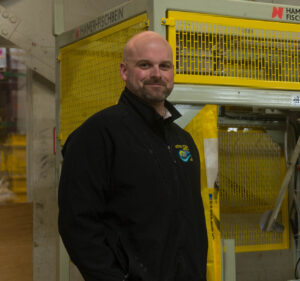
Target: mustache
155	81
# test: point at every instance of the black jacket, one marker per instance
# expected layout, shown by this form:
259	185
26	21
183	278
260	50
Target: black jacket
129	197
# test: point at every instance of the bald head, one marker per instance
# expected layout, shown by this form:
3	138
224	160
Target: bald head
142	39
147	68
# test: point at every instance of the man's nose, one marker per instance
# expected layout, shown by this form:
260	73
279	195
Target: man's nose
155	71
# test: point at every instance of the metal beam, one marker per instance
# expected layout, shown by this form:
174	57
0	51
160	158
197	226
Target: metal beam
229	267
198	94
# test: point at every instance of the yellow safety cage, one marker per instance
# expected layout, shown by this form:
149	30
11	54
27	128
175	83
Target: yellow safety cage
89	73
218	50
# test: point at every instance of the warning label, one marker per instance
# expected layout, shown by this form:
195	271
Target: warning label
295	100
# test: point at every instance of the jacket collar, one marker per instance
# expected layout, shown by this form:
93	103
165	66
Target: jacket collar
146	111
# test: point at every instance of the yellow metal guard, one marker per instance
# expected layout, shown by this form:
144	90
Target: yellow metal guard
251	169
217	50
203	127
89	73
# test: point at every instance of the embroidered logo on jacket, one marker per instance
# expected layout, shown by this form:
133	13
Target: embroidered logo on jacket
184	152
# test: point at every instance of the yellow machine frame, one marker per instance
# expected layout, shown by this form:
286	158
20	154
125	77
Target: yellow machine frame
218	50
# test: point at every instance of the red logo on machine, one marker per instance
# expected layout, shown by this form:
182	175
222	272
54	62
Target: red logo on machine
277	12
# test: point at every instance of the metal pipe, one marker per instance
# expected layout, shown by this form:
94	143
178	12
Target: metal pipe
284	185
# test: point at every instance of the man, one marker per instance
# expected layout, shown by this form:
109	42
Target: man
129	195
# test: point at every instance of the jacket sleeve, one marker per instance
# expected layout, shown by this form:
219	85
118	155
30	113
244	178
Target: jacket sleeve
81	198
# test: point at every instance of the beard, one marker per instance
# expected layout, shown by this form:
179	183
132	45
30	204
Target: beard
155	91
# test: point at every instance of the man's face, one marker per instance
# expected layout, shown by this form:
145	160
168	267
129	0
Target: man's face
149	72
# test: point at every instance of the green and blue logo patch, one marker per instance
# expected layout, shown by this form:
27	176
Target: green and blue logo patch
184	152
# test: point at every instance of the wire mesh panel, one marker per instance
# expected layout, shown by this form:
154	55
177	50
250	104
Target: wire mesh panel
89	73
221	50
251	169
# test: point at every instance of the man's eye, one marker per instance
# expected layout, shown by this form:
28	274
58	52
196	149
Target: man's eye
144	65
165	66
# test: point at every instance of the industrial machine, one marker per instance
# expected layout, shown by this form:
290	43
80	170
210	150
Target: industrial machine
237	82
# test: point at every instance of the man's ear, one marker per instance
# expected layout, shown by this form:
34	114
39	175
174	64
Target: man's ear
123	71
